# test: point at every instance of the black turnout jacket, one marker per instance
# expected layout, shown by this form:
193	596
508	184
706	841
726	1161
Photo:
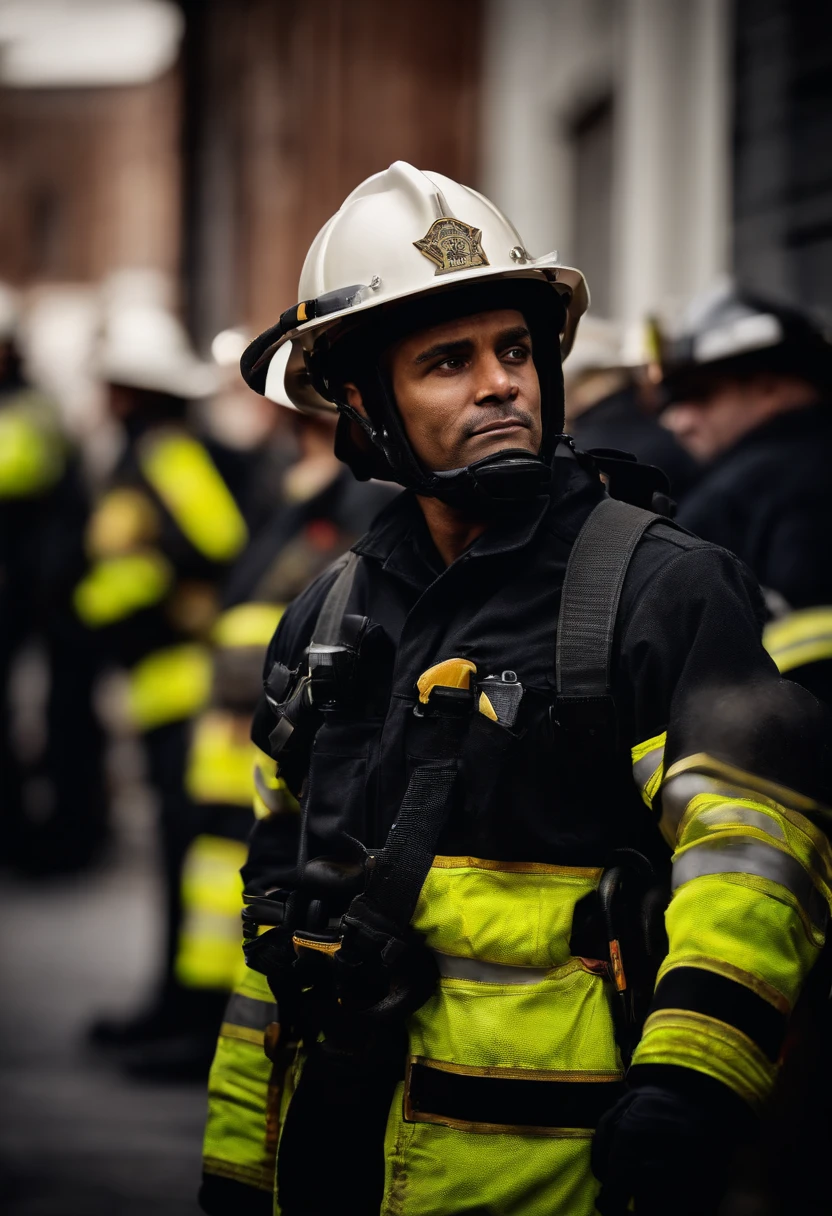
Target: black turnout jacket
688	628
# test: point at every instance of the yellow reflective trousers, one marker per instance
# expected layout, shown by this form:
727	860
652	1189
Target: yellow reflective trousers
513	1005
241	1131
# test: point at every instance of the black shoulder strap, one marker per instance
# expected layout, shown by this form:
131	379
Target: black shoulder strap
327	629
591	593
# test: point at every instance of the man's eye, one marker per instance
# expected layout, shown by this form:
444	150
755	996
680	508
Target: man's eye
452	363
517	352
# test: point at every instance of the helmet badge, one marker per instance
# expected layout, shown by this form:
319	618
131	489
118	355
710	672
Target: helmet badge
452	245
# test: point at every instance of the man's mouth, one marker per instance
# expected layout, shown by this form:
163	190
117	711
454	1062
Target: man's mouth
502	424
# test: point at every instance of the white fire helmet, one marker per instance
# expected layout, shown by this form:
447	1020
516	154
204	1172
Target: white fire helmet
402	234
143	344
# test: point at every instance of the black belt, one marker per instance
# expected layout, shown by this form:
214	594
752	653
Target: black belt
536	1105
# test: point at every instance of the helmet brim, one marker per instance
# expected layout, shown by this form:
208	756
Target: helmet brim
297	388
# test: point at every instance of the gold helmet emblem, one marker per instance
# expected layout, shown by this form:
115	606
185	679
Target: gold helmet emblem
452	245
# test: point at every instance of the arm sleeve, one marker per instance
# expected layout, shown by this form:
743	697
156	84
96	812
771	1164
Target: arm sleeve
734	762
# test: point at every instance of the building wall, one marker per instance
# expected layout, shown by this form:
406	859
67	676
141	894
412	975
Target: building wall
89	181
658	74
783	173
318	97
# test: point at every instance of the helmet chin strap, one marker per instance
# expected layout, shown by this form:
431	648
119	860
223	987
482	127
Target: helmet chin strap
511	476
514	475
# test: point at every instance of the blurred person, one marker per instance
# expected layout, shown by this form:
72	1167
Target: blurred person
604	406
748	384
479	710
53	806
320	511
250	439
160	541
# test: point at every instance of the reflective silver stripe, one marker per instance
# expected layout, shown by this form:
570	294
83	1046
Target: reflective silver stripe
732	813
271	797
455	968
247	1011
719	856
644	768
677	793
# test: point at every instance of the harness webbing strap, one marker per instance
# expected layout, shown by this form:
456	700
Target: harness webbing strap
394	886
327	629
591	592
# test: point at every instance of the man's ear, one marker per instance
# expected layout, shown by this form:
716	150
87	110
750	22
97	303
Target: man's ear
352	395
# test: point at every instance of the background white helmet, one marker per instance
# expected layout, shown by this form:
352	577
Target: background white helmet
730	331
400	235
144	345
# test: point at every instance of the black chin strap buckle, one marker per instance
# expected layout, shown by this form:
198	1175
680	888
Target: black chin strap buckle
514	475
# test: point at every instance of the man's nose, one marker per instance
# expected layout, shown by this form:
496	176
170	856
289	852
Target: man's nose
495	382
679	419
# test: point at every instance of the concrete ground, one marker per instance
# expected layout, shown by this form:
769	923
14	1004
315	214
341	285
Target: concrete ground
76	1138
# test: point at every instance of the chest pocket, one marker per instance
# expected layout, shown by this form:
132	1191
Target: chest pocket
488	757
338	795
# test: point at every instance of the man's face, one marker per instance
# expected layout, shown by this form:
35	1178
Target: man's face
467	389
714	419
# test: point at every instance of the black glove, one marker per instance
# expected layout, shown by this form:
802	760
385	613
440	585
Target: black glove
668	1147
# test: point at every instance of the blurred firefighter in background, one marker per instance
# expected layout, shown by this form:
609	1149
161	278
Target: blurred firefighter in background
748	384
53	805
159	542
320	511
608	406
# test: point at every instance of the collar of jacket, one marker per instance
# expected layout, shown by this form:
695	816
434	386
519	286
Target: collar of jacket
400	542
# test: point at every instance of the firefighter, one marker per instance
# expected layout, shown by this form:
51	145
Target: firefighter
748	383
321	511
53	805
161	539
510	715
607	403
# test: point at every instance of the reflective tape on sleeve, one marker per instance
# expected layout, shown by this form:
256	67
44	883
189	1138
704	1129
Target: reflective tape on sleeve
31	456
648	766
118	587
220	760
716	855
733	814
801	638
182	473
677	795
719	997
126	520
250	624
169	685
687	1039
